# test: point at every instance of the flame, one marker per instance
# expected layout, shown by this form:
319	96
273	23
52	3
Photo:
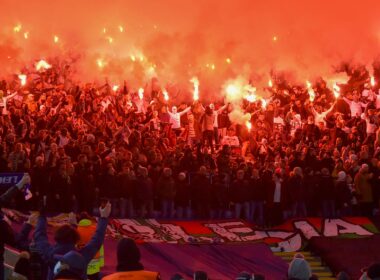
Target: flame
310	91
115	88
110	39
373	82
166	95
336	90
195	82
232	90
100	63
141	93
263	103
22	78
228	60
121	28
26	35
56	39
42	64
270	83
274	38
104	30
17	28
142	58
133	58
213	66
248	124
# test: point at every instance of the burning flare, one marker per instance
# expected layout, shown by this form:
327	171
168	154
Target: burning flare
263	103
310	91
195	82
373	82
270	83
121	29
248	124
115	88
22	78
42	64
336	90
141	93
100	63
17	28
26	35
166	95
56	39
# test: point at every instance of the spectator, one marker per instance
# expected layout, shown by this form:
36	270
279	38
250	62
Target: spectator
66	238
128	263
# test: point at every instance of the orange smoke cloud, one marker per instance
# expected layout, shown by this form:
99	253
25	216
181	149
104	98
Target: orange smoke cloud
176	40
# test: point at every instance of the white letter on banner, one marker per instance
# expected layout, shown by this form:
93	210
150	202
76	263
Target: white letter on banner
175	232
331	228
292	244
307	230
148	234
223	232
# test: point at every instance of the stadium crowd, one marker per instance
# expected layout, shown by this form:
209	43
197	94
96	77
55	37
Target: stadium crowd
86	145
301	156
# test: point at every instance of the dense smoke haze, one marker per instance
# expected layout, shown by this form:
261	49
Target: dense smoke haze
176	40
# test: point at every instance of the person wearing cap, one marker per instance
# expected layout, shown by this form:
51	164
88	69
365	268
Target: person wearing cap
299	268
86	229
128	263
71	265
66	238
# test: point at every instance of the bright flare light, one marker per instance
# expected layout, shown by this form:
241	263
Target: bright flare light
373	82
115	88
56	39
232	90
133	58
270	83
166	95
26	35
195	82
42	64
336	90
121	28
263	103
100	63
141	93
110	40
228	60
22	78
274	38
248	124
17	28
310	91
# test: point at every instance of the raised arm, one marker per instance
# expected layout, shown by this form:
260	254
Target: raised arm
10	96
184	111
348	101
10	193
40	237
221	109
93	246
331	108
